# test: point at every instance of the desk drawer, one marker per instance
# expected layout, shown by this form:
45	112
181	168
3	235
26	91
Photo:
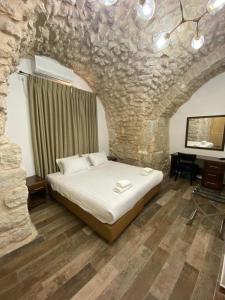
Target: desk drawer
36	190
36	187
213	174
210	184
212	177
214	168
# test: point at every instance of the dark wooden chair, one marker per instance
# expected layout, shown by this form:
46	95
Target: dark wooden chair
186	164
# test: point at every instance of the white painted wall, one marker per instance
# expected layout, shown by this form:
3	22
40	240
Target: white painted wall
18	123
208	100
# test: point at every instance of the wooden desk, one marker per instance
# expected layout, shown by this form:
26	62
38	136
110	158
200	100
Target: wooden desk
212	170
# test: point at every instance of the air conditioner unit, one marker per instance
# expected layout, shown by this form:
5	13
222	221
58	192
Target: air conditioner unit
48	67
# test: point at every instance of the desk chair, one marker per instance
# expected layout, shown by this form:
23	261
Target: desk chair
186	164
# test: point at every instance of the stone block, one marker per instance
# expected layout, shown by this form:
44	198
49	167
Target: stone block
6	45
15	235
10	156
15	197
14	218
21	233
9	27
3	103
11	178
2	122
4	140
4	73
3	86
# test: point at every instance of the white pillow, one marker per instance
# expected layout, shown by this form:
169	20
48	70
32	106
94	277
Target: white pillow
87	156
98	158
60	161
75	165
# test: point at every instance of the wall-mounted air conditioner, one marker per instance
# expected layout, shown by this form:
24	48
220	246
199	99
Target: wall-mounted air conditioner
48	67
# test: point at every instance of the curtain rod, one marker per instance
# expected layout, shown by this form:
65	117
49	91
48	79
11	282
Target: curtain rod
44	77
52	79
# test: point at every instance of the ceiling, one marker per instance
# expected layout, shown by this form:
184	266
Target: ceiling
115	52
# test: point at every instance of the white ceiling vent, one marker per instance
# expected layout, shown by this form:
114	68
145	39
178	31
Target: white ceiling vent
50	68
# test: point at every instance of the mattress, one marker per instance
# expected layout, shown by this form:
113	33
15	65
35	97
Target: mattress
92	189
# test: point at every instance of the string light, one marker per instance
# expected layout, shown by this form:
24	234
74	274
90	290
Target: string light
108	2
197	42
145	10
161	40
213	6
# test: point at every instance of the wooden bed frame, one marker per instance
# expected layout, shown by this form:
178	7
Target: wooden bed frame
108	231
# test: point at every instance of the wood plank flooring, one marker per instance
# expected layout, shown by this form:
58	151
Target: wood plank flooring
158	257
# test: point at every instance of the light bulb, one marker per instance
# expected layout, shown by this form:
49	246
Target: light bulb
213	6
146	11
107	2
197	42
162	40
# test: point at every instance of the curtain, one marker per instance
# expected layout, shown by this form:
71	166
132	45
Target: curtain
63	122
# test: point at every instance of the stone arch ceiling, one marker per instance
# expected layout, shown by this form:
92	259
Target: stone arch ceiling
114	53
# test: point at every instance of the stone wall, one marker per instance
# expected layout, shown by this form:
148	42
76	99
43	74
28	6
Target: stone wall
16	228
114	53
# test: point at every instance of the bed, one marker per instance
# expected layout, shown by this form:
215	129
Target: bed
89	195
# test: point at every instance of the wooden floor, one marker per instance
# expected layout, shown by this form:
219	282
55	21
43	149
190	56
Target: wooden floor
157	257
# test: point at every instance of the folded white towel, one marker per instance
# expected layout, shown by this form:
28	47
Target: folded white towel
122	190
146	171
123	183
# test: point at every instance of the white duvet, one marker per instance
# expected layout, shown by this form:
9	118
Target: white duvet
92	189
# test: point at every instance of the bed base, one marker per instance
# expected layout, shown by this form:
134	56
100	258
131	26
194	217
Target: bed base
107	231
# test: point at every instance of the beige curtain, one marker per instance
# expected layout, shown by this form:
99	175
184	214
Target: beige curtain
63	122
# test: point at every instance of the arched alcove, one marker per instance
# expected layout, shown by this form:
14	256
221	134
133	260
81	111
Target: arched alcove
156	131
208	100
140	89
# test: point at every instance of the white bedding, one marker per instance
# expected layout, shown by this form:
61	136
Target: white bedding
92	189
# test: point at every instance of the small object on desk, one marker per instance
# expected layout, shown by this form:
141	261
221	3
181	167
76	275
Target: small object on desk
112	158
222	158
37	191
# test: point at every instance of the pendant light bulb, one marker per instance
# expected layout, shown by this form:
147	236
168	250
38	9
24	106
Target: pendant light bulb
197	42
213	6
146	10
107	2
161	40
